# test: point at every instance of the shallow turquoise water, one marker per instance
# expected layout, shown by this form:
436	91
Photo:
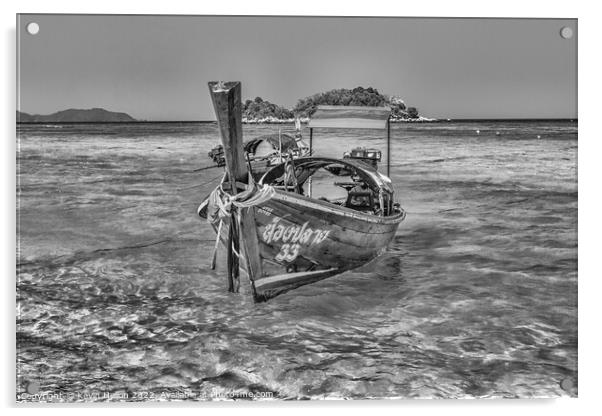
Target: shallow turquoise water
477	296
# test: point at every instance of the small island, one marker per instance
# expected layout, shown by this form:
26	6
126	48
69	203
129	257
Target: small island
263	111
73	115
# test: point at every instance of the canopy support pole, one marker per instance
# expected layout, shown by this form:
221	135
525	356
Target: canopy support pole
311	152
389	147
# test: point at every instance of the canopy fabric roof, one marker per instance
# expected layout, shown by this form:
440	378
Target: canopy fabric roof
350	117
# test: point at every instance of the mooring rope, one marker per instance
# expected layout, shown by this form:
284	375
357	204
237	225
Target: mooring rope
214	255
224	202
246	199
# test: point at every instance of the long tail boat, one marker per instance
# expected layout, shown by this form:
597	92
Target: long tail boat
274	230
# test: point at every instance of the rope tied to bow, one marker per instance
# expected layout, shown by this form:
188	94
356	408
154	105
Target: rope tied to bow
253	196
220	208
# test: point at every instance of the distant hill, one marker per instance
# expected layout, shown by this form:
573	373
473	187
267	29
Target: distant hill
24	117
72	115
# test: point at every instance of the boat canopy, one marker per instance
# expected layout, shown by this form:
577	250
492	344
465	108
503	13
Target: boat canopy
350	117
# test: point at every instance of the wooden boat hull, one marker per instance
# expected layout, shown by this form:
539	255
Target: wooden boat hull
302	240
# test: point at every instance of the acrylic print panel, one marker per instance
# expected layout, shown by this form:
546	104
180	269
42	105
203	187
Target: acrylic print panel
416	237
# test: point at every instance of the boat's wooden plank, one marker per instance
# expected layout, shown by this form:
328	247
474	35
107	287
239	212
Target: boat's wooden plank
288	278
276	288
250	245
226	99
233	261
334	216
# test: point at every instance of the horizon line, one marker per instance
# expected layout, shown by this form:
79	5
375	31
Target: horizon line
436	120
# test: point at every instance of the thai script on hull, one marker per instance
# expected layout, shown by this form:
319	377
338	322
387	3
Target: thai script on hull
294	234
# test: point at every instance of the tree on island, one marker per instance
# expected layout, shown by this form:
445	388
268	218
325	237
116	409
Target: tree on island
261	109
412	112
358	96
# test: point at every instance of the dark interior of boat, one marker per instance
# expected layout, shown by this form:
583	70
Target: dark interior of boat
365	190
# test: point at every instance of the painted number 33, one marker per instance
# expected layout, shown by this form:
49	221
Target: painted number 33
288	252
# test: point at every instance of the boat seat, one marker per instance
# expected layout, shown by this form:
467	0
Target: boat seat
360	200
289	188
346	185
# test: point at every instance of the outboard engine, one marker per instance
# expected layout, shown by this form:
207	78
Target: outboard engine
368	156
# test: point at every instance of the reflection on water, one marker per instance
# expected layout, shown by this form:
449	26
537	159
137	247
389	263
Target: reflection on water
477	296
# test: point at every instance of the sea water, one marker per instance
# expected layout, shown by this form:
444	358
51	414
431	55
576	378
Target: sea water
476	297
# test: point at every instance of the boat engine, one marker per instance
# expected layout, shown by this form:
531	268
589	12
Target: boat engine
368	156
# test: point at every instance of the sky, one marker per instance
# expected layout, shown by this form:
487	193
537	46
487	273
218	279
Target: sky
157	67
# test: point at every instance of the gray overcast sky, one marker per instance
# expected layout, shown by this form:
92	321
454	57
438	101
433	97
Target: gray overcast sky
157	67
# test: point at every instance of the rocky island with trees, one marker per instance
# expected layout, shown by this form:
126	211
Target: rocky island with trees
263	111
